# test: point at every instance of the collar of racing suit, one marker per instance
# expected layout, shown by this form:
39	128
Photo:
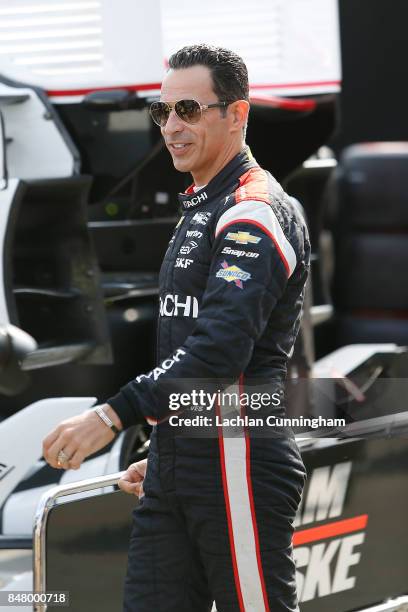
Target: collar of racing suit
221	182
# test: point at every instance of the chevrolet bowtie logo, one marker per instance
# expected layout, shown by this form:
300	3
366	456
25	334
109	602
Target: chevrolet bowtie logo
242	238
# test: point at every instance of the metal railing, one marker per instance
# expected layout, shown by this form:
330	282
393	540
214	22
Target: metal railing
47	502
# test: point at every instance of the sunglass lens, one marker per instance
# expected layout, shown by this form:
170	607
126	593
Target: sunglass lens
159	112
188	110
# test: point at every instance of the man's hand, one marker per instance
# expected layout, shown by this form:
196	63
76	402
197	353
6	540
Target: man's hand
132	480
77	438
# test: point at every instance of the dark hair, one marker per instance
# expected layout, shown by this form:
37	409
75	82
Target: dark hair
228	71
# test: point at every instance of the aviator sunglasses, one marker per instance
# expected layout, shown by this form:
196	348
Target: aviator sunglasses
189	111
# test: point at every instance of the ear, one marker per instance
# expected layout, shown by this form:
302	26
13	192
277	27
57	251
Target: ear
238	112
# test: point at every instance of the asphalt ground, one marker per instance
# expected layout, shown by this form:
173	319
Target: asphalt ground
14	562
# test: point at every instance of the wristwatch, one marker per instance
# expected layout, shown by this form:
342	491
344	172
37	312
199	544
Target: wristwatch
102	414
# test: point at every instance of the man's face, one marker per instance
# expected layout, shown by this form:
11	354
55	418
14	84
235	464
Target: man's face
204	142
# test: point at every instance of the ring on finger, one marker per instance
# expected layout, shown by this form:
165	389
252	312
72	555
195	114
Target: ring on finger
62	458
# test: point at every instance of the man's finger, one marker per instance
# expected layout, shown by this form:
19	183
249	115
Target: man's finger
61	444
49	440
76	460
128	487
52	453
140	491
139	467
69	450
132	476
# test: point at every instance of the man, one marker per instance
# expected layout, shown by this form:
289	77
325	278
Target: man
215	520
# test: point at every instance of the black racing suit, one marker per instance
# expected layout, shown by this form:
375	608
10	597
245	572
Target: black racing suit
215	523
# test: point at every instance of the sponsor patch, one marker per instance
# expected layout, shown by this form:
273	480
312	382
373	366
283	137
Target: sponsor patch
173	305
195	200
194	234
229	251
200	218
161	369
327	555
233	274
183	262
187	248
243	238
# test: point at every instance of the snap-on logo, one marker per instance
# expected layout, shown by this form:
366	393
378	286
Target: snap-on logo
196	200
238	253
176	305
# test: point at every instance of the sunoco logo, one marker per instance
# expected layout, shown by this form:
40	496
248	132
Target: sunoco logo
233	274
325	555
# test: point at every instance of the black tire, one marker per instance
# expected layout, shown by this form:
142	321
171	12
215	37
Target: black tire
351	330
373	184
371	272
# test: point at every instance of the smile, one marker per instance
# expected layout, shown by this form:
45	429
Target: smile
179	148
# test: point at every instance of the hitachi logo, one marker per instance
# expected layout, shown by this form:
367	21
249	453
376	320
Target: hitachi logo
194	201
174	306
161	369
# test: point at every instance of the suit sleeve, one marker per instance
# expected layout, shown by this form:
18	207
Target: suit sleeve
251	262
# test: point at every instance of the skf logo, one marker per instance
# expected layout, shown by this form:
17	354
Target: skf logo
242	238
200	218
183	262
194	201
187	248
173	306
326	554
5	469
233	274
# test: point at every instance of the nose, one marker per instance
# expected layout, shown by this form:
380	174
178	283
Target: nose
174	124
